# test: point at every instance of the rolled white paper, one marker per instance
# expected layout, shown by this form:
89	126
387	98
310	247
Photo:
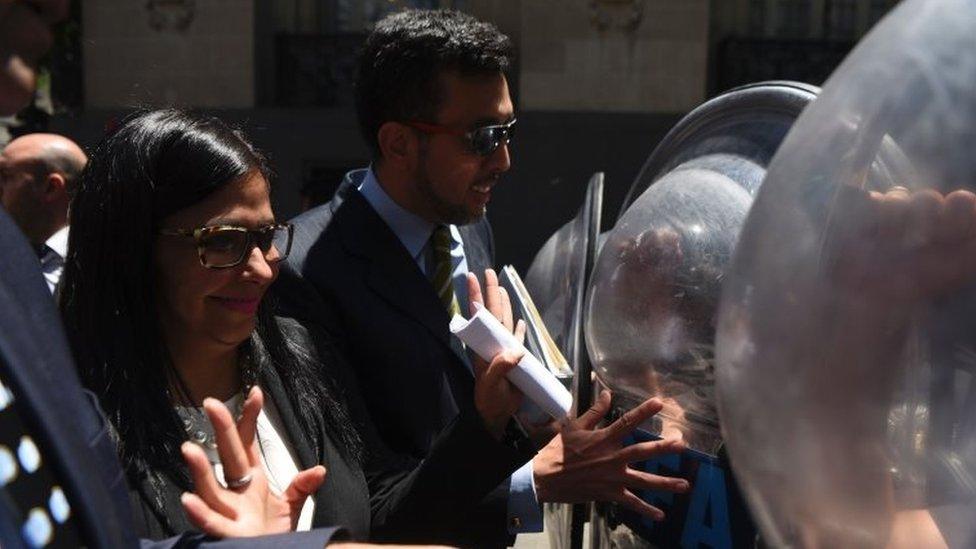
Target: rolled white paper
484	334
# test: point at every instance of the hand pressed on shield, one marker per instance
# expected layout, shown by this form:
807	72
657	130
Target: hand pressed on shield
495	398
247	507
584	463
902	245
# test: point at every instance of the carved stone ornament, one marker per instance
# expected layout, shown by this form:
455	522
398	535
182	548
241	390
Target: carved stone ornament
171	15
623	15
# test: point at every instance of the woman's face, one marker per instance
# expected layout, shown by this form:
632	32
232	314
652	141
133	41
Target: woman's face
213	307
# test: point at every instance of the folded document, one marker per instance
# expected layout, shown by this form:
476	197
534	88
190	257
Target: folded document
484	334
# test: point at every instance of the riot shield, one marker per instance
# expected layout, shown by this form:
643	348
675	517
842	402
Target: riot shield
652	305
557	280
557	277
734	134
846	347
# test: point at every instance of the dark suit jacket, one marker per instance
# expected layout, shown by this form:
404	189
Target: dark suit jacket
393	329
411	500
34	358
342	499
64	419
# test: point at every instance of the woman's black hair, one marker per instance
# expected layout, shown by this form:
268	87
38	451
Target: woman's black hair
154	165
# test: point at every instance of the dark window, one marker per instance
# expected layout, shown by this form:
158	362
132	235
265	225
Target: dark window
840	21
316	70
757	17
306	50
876	10
321	179
793	18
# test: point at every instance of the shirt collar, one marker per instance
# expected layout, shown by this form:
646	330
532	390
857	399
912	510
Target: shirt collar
59	242
412	230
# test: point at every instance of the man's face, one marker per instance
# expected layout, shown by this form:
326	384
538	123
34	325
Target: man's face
453	183
20	193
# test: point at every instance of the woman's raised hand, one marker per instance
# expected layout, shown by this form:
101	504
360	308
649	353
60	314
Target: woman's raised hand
247	507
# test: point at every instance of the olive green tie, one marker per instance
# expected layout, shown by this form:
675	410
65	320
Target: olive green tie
441	279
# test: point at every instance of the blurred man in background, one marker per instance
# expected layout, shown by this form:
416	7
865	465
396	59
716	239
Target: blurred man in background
37	172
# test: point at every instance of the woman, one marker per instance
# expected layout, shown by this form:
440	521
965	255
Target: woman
172	248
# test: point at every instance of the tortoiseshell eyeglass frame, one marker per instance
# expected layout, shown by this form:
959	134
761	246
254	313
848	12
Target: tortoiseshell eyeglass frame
199	235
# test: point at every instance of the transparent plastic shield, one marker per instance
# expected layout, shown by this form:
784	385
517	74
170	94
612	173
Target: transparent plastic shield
651	312
557	281
735	134
556	277
846	345
552	280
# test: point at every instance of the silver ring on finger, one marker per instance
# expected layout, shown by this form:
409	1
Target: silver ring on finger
239	483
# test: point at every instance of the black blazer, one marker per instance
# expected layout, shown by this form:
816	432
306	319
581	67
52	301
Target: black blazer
391	326
65	420
341	500
405	501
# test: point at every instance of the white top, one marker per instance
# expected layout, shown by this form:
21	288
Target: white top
52	260
277	455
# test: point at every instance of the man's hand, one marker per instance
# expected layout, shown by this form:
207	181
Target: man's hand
252	509
587	464
495	398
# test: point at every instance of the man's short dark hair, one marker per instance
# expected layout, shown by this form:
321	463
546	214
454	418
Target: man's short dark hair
404	57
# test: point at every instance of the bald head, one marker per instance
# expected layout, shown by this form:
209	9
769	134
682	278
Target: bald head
50	152
37	174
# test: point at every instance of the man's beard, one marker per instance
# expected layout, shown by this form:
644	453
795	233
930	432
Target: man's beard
447	213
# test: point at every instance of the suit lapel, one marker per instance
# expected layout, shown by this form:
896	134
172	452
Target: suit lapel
303	447
389	270
340	489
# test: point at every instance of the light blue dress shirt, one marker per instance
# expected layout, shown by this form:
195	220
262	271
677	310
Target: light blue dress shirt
524	513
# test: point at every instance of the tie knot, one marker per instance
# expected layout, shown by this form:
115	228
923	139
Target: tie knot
442	236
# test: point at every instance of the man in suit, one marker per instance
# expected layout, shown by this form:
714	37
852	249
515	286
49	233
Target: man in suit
389	255
37	172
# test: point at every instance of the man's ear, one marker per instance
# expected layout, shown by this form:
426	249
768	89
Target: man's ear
54	187
398	143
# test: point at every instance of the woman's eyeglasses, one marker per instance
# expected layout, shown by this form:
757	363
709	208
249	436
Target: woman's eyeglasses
481	141
225	246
